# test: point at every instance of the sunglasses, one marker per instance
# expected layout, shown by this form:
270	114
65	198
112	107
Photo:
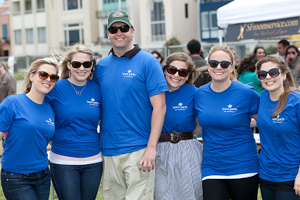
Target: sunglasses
181	72
44	75
293	52
214	64
86	64
114	29
274	72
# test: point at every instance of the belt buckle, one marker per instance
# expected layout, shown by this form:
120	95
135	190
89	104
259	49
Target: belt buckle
175	137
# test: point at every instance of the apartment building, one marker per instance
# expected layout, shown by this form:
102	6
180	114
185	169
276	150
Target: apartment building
42	27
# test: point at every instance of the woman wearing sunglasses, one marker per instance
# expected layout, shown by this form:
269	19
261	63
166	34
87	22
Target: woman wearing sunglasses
179	154
29	124
224	110
279	123
75	157
292	59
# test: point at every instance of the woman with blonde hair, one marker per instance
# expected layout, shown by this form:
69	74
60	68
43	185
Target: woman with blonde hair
75	156
279	123
224	110
29	123
179	154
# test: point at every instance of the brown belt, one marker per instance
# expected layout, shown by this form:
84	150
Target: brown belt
175	136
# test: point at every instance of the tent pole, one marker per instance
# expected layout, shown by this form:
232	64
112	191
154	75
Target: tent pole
220	36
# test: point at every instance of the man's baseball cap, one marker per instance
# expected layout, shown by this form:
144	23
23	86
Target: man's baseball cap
119	16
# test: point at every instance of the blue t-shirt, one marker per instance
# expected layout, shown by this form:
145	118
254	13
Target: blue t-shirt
76	119
280	138
30	127
229	146
180	115
126	86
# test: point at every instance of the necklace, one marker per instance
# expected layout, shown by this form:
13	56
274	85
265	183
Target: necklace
78	93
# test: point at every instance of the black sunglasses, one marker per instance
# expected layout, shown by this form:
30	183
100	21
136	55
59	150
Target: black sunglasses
86	64
181	72
214	64
44	75
114	29
274	72
293	52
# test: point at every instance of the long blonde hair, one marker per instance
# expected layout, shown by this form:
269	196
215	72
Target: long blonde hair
34	67
76	48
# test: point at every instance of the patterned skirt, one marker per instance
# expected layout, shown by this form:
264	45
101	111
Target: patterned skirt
178	171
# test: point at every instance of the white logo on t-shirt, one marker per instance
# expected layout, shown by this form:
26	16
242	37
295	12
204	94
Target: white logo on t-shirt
128	74
179	107
229	109
92	102
50	122
277	119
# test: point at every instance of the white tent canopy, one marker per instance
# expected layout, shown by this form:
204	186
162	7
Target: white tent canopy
246	11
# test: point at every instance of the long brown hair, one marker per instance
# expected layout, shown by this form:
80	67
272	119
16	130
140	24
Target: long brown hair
288	83
180	56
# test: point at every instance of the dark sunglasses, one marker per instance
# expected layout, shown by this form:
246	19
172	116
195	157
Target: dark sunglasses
214	64
274	72
181	72
293	52
44	75
86	64
114	29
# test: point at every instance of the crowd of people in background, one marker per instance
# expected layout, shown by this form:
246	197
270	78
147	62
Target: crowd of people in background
150	111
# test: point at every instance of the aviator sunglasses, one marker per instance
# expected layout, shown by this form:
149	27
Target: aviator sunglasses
44	75
86	64
114	29
274	72
181	72
224	64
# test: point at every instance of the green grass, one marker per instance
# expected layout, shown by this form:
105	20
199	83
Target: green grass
19	75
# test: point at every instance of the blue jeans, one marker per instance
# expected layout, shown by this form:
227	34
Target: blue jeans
34	186
76	182
269	194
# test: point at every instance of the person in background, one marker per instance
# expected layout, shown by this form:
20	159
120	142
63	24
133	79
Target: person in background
133	112
246	71
292	60
158	56
259	52
281	48
8	84
278	120
75	156
194	49
174	159
224	110
30	123
236	58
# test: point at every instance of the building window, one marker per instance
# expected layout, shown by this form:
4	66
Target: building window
42	35
72	4
209	25
18	37
40	6
29	36
158	21
73	34
28	7
16	9
4	32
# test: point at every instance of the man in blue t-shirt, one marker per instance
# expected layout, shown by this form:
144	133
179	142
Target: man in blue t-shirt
133	109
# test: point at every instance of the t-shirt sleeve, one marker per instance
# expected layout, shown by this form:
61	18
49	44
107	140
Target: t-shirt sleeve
95	74
155	80
254	102
49	97
7	115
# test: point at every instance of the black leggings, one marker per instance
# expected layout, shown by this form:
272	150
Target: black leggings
234	189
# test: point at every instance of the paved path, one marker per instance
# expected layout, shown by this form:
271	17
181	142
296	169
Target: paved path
19	86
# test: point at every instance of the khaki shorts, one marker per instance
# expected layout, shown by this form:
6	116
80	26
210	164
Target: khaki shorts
122	178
